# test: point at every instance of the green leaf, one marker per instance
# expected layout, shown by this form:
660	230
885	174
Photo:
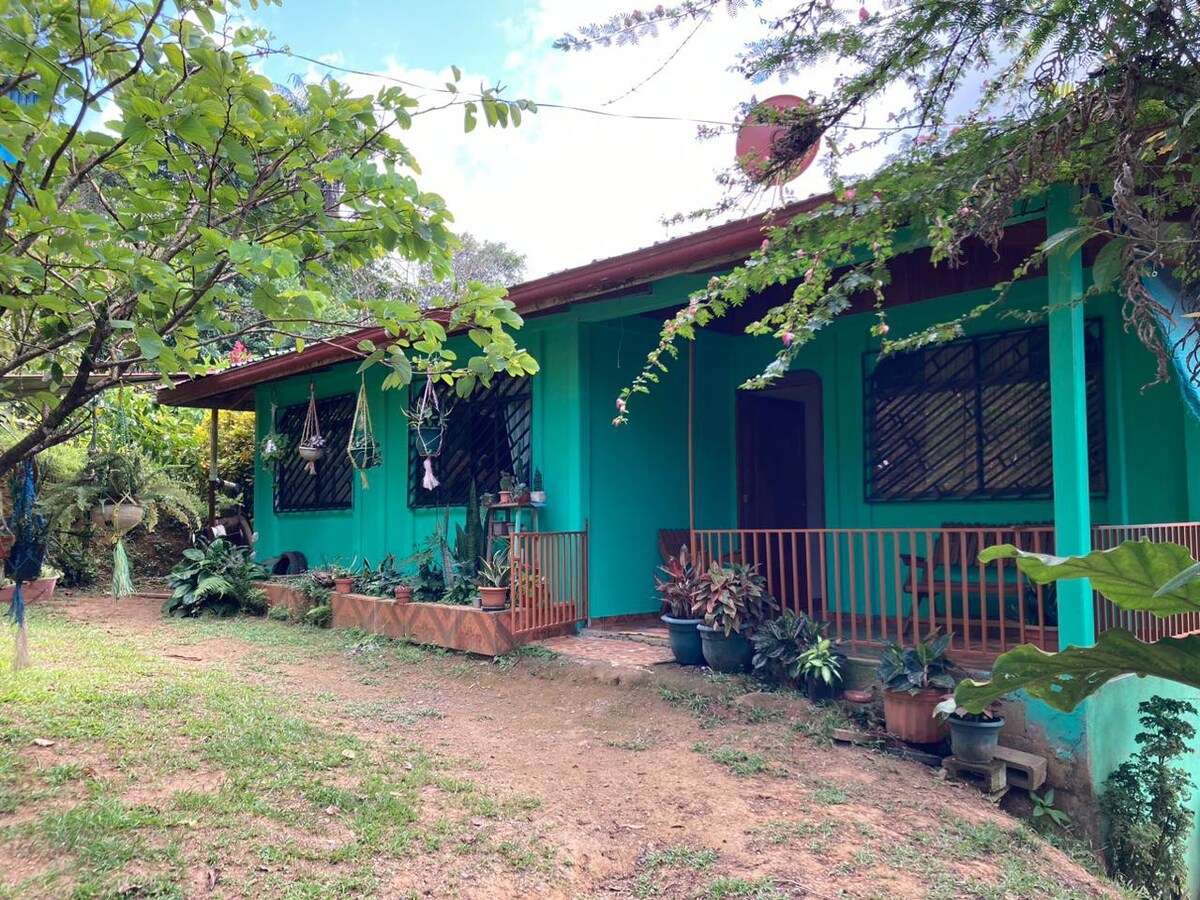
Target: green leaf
149	342
1108	264
1065	679
401	366
1066	241
1131	575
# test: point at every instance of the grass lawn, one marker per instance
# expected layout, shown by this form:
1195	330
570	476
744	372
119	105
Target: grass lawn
250	758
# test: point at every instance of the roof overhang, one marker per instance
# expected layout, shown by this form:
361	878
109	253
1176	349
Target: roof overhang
724	245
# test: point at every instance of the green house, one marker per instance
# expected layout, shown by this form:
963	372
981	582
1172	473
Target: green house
863	488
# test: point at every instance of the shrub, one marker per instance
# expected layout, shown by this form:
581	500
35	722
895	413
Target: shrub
218	579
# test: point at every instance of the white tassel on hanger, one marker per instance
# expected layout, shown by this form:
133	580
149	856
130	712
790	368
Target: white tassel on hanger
429	482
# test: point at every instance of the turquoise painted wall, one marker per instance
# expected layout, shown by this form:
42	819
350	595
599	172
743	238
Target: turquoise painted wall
1112	725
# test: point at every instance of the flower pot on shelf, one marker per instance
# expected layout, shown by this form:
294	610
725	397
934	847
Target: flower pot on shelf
974	741
493	597
505	497
685	640
404	594
537	497
343	585
729	653
910	716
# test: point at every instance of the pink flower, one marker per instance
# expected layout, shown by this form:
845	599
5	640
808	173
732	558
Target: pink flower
883	329
876	196
863	15
765	244
787	338
800	254
850	194
620	405
964	211
239	354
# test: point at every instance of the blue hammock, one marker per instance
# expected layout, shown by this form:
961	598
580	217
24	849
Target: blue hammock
1180	336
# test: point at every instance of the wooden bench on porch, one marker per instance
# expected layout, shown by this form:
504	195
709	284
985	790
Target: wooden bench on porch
952	577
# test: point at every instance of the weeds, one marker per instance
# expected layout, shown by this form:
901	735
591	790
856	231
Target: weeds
740	762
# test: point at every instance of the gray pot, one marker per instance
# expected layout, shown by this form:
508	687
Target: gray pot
730	653
685	640
974	742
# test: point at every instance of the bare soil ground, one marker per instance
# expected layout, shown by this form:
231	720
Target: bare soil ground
547	782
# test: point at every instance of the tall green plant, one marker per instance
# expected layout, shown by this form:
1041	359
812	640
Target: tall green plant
1145	804
218	578
1161	579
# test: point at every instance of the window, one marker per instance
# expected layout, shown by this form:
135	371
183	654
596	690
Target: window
331	488
971	419
487	434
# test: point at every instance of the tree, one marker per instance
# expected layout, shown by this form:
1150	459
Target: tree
991	101
475	260
152	177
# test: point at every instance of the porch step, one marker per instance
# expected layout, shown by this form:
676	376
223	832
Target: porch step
640	637
1025	770
990	777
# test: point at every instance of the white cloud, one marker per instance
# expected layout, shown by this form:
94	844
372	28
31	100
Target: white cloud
568	187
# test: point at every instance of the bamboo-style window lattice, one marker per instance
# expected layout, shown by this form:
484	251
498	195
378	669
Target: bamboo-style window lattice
971	419
487	434
330	488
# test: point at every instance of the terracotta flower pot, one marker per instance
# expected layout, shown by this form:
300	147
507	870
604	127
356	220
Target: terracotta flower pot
505	497
493	597
404	594
343	585
910	716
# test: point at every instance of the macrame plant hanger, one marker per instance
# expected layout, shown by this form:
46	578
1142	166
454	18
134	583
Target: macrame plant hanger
24	563
273	444
362	448
122	575
310	436
429	436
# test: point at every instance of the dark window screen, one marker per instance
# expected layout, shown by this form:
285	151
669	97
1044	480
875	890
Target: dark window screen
331	488
971	419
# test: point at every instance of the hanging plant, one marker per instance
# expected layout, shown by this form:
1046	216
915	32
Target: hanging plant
312	444
428	423
363	449
272	448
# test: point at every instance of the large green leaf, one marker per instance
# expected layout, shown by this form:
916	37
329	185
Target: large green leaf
1066	678
1137	575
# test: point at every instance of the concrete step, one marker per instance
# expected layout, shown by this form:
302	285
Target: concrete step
642	638
1025	770
989	777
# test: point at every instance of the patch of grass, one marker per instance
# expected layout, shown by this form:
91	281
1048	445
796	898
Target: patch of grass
820	727
758	715
528	651
637	743
705	708
730	888
742	763
862	858
830	795
680	856
781	831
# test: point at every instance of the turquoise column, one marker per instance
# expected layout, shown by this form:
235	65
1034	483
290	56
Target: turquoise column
1068	418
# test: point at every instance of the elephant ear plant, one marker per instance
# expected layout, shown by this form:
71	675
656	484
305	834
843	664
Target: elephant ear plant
1159	579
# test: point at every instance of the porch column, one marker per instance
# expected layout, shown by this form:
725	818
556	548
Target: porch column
1068	420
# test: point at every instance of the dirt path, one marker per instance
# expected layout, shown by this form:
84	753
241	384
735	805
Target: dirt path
615	781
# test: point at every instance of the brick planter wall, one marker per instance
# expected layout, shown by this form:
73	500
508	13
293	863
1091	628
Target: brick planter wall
453	627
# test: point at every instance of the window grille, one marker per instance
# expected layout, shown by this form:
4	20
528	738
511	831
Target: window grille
970	419
331	488
487	434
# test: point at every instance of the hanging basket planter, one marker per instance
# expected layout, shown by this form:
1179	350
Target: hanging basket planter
428	423
363	449
312	444
429	439
273	448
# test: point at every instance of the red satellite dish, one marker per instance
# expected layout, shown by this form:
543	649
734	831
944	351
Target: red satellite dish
755	138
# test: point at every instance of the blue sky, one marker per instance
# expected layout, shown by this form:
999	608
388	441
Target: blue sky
567	187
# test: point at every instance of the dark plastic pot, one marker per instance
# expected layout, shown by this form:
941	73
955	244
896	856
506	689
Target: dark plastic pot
729	654
685	641
975	741
819	691
429	441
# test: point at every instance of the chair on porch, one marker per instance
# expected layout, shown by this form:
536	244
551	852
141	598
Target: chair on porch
952	578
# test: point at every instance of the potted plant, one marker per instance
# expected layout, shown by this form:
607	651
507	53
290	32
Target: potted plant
428	424
343	578
538	494
506	488
820	668
779	644
735	603
973	736
520	493
914	681
40	588
310	450
493	581
404	590
682	592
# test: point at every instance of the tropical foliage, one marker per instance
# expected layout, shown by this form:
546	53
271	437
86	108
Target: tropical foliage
217	579
681	586
781	645
1145	804
974	108
736	598
917	668
1161	579
156	178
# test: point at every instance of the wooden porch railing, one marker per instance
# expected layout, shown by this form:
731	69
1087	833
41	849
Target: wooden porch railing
549	579
1144	625
878	584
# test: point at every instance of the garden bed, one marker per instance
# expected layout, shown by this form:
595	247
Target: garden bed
38	589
